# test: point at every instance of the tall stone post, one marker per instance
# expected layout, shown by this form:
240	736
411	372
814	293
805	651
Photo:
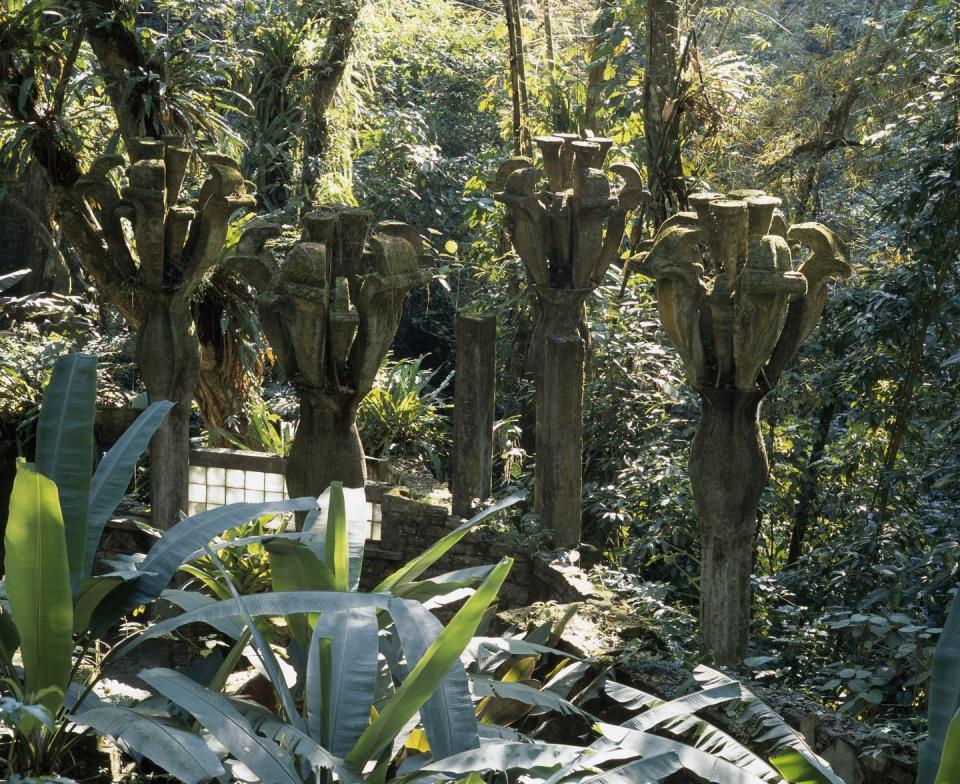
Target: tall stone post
560	445
473	410
567	232
737	312
330	310
172	243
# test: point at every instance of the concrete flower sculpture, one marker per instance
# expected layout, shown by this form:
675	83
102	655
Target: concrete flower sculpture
330	310
176	241
566	221
737	310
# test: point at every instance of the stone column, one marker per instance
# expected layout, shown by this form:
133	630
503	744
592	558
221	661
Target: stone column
566	220
737	314
473	411
559	477
330	309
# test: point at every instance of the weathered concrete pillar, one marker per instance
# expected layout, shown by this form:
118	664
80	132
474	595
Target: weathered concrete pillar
737	315
558	478
566	221
473	410
330	310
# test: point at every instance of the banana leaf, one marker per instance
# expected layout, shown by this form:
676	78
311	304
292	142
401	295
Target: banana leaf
65	448
426	675
448	715
650	770
38	586
178	751
170	551
949	771
264	604
705	766
114	472
268	761
499	757
341	676
944	696
417	566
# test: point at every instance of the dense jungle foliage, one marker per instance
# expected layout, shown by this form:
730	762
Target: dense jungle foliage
848	111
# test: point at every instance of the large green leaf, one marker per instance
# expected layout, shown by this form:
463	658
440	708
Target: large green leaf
65	448
172	549
269	604
448	715
294	567
93	590
428	673
797	769
417	566
178	751
700	732
944	693
521	692
657	714
113	474
299	743
38	585
649	770
502	757
11	279
949	771
264	651
221	719
768	728
705	766
348	668
192	600
336	551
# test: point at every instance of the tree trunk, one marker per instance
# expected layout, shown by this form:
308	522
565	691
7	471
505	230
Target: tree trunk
326	446
169	357
26	237
931	308
808	484
518	81
660	109
325	77
728	471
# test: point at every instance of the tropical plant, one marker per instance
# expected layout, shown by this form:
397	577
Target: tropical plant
940	754
403	414
343	707
56	610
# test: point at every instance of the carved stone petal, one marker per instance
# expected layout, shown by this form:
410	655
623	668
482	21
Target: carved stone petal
632	194
674	263
527	222
146	193
760	306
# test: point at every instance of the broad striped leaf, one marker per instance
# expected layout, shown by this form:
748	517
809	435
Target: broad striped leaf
38	585
221	719
178	751
114	472
65	448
